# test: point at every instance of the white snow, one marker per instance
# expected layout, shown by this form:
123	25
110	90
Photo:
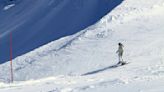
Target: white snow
8	6
83	63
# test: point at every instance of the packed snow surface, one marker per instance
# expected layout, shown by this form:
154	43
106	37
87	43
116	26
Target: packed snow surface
81	62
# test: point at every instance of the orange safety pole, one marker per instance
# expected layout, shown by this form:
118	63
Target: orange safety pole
11	56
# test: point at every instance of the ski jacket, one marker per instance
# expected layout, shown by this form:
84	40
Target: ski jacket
120	50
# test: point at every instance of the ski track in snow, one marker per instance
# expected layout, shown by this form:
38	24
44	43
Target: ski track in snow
137	24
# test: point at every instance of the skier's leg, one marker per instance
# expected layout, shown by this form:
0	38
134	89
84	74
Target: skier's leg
119	59
122	62
122	59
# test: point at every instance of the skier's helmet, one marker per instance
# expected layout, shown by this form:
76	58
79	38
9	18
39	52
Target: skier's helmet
120	44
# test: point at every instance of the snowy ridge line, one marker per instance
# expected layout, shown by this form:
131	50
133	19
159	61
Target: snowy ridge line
122	13
49	48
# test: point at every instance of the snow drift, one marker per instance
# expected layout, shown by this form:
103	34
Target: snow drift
36	22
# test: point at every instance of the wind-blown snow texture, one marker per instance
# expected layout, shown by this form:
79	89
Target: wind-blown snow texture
81	62
36	22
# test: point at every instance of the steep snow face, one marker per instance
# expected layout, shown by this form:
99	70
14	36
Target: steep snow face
36	22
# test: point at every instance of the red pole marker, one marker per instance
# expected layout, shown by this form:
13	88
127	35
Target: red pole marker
11	65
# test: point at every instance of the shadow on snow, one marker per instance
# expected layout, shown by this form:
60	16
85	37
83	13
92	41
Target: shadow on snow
101	70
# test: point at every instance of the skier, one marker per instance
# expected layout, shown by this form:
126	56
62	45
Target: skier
120	53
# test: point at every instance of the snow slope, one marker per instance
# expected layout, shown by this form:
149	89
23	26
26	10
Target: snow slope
34	23
83	63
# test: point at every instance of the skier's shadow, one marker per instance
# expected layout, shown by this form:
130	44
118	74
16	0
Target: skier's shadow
100	70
